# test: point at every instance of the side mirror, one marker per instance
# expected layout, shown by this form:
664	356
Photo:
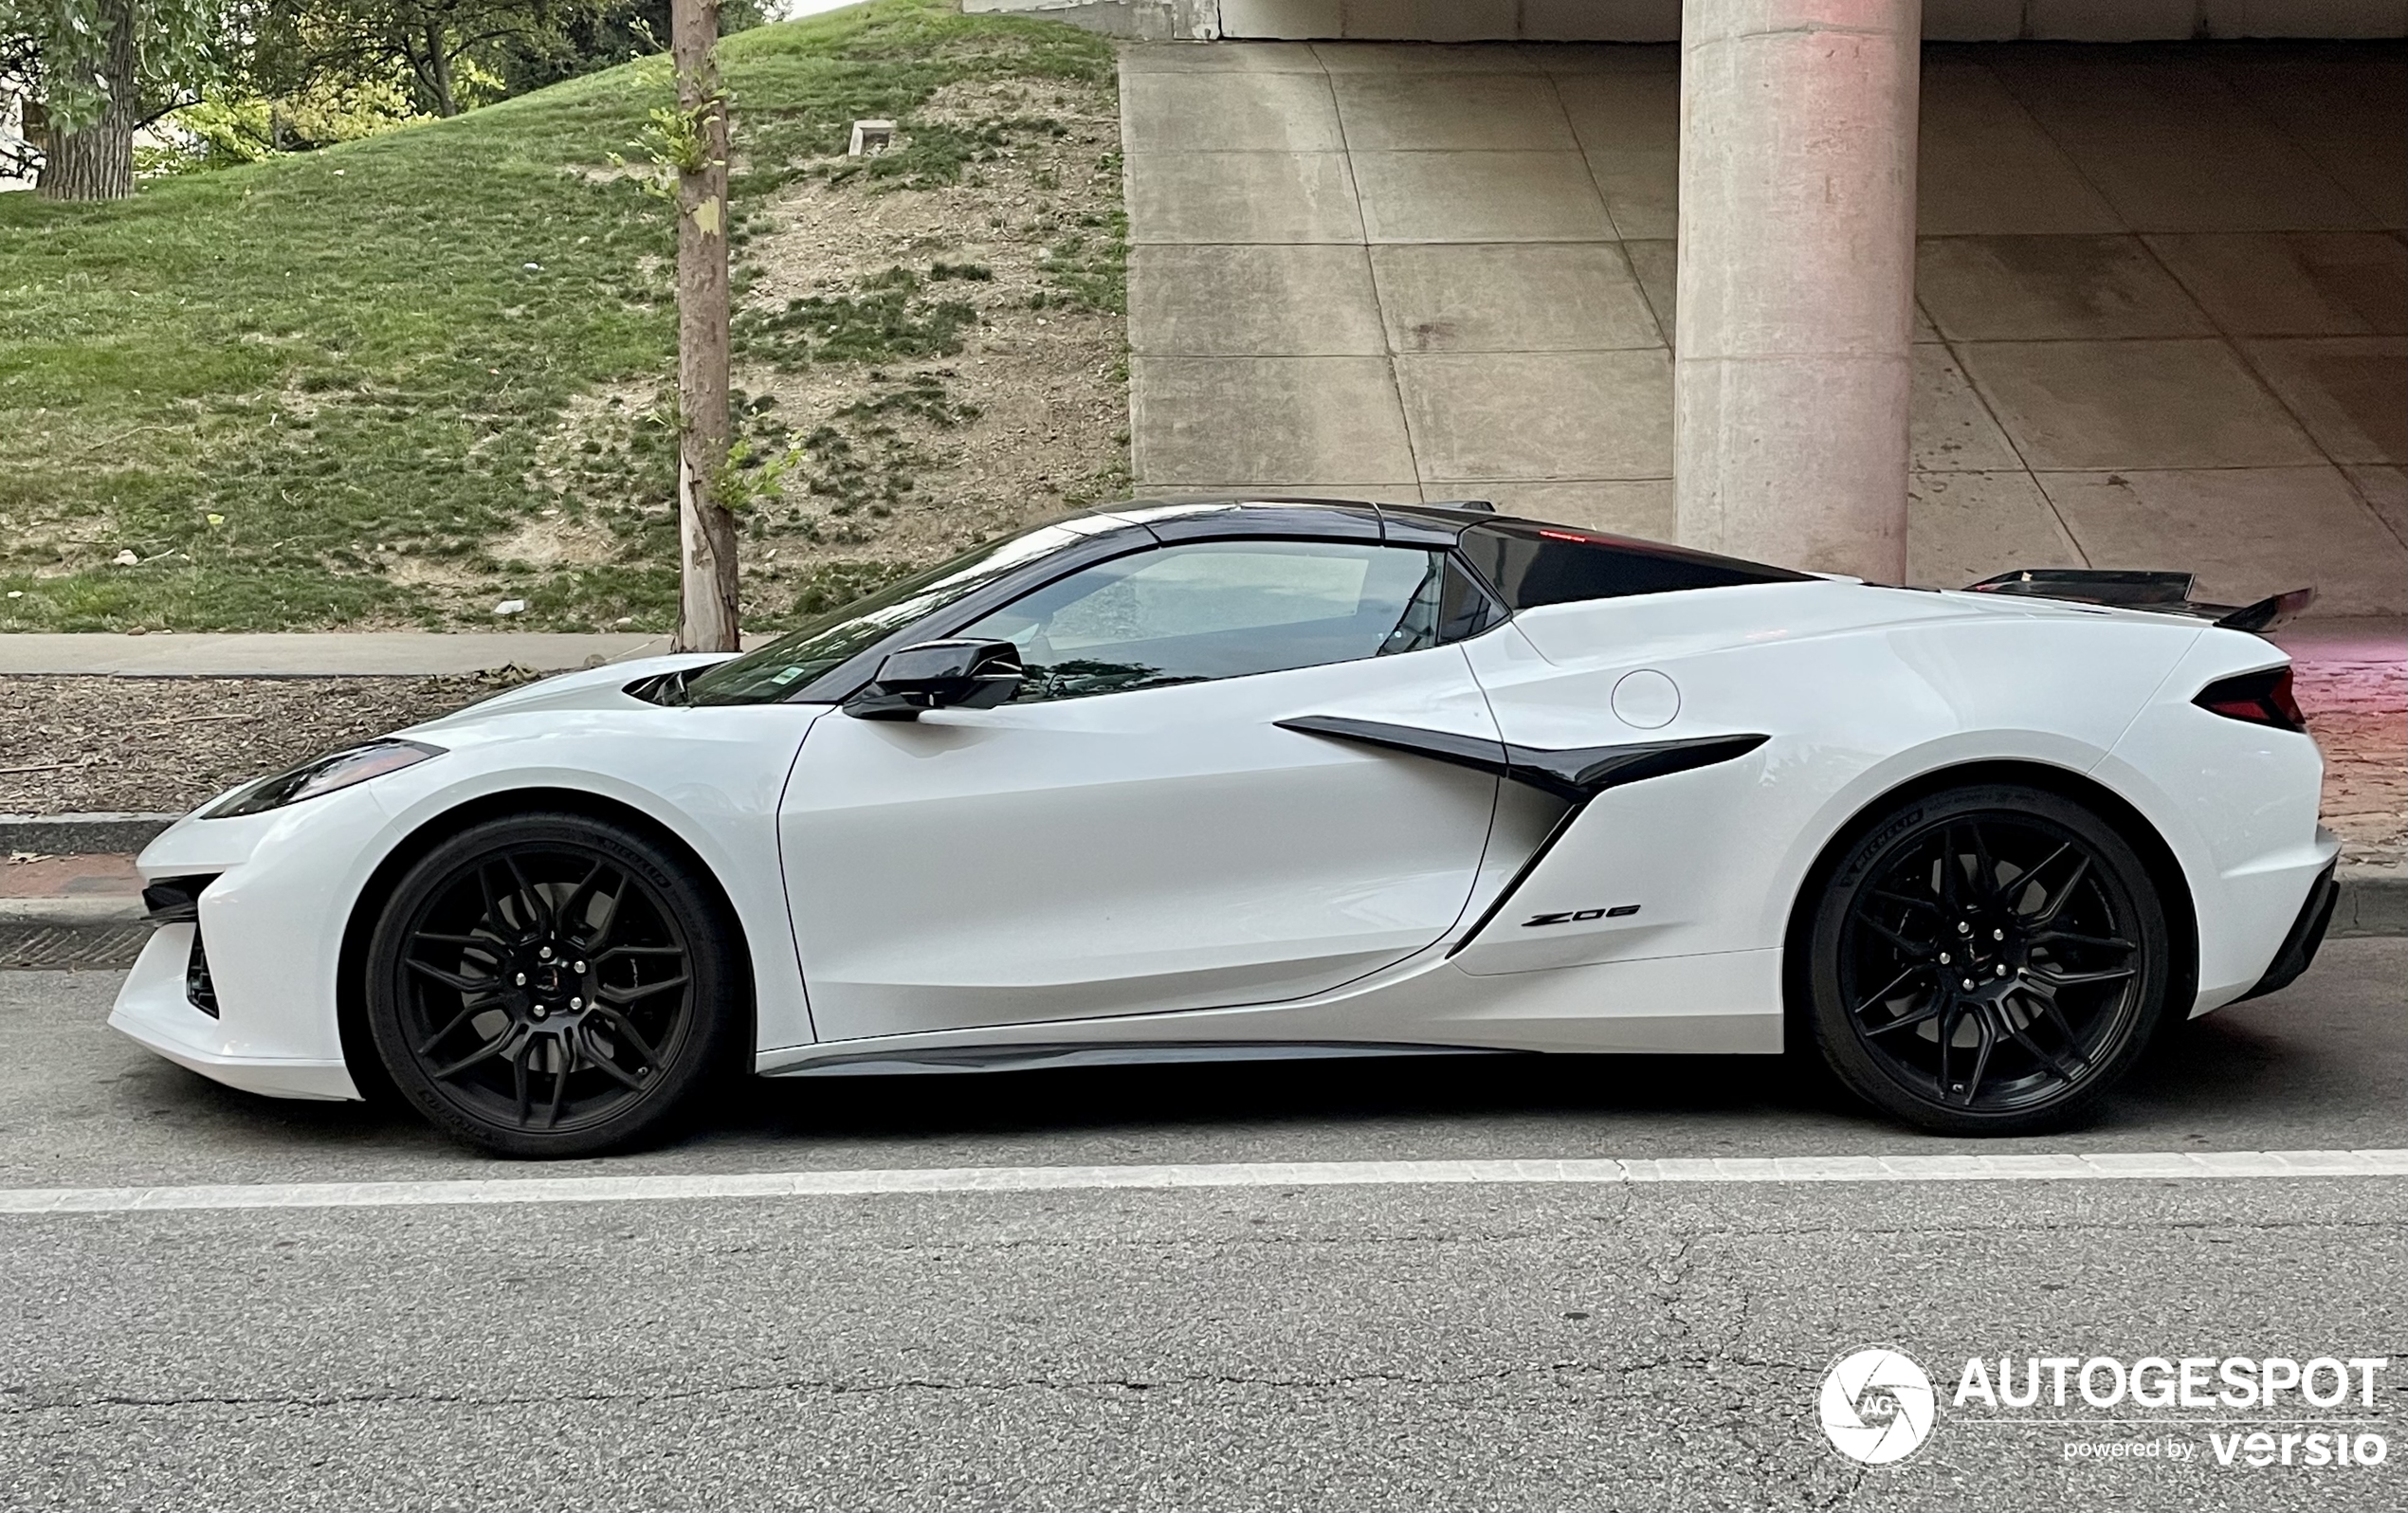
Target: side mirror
939	675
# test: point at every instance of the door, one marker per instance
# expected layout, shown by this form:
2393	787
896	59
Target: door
1134	832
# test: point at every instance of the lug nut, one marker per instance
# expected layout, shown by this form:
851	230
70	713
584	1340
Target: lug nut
580	966
1995	935
520	979
1999	971
1962	928
1968	985
1944	961
539	1010
579	1003
545	953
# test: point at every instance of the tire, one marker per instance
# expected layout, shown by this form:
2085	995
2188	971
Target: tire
553	985
2001	1009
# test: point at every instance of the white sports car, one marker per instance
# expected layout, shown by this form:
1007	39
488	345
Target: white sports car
1280	778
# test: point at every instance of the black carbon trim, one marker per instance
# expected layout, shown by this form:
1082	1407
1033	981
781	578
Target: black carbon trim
1439	746
1584	773
1577	774
175	900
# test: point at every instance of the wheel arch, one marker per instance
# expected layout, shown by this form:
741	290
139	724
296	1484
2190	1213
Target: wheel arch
2164	869
351	975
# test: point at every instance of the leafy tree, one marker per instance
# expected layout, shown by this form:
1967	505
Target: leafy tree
444	46
94	72
612	33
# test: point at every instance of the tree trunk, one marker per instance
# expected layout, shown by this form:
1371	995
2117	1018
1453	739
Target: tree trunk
706	530
96	161
439	73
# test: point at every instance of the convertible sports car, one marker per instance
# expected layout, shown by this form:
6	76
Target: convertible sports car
1249	778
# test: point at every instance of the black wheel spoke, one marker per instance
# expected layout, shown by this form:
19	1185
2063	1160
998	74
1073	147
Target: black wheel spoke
532	905
600	935
616	953
1905	900
565	1049
2045	1003
2056	904
1908	974
2094	942
2024	879
624	996
624	1030
1985	871
596	1059
1905	945
457	982
2022	1035
467	1012
2078	979
1987	1038
1922	1015
499	1045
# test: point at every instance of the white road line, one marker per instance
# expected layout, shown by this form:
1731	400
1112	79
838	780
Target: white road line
2085	1168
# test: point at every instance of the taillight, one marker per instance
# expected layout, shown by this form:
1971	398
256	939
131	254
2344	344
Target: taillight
2260	698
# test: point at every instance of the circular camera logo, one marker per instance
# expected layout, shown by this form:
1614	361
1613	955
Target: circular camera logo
1877	1407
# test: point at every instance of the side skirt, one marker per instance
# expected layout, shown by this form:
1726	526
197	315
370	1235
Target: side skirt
942	1060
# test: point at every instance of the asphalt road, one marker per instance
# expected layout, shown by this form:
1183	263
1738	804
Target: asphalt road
1529	1346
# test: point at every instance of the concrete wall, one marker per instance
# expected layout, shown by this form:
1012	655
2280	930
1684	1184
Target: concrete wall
2163	295
1660	20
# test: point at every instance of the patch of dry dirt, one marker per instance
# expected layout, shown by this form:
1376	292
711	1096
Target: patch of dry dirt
161	745
1049	382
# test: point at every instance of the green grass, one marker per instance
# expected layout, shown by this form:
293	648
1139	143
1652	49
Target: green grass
277	384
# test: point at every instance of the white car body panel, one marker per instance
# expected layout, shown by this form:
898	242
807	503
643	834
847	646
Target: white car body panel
1166	869
1163	849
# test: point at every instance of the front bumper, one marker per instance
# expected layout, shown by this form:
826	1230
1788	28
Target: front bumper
155	1009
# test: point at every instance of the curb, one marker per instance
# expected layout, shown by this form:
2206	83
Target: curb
2374	901
72	913
81	835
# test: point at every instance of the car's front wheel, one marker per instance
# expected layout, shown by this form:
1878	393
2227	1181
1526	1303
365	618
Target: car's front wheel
550	985
1987	961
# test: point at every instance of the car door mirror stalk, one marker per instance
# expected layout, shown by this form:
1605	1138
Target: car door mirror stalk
957	674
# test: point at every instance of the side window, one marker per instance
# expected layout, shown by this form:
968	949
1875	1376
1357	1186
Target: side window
1535	565
1206	610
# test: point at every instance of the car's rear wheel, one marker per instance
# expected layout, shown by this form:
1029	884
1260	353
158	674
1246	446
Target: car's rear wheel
1987	961
550	985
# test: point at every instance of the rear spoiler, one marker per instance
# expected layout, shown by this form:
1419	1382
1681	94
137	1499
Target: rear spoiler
2166	593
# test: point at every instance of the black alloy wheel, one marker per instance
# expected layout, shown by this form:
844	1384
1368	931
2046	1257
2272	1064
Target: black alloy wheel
550	985
1987	961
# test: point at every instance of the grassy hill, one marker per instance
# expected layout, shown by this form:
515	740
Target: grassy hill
393	381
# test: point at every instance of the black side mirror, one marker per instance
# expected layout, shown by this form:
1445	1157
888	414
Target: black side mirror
939	675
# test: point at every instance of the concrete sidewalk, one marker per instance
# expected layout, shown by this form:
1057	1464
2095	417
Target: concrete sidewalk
330	654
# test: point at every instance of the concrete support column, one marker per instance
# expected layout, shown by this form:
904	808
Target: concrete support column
1790	372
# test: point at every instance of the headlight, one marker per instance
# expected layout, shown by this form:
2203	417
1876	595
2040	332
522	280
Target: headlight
323	775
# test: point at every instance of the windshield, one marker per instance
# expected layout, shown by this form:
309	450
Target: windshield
819	648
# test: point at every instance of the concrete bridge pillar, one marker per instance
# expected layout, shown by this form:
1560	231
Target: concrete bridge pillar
1791	376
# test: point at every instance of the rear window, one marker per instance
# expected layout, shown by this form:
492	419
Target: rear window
1533	565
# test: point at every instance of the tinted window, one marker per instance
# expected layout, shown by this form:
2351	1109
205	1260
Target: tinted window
822	646
1533	565
1220	609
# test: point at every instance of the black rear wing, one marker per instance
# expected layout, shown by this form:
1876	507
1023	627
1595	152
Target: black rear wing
2125	589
